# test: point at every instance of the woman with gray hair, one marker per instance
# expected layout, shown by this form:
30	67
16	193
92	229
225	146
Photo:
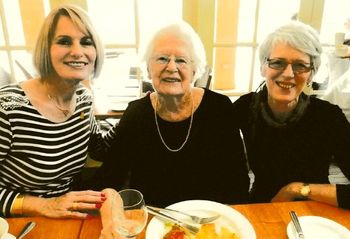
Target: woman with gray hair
291	138
177	143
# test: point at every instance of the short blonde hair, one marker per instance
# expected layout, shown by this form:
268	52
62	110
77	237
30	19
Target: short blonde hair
41	54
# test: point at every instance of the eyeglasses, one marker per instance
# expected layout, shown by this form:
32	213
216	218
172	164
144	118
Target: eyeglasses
297	66
180	61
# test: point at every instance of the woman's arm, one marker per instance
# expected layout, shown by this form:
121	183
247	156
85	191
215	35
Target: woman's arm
325	193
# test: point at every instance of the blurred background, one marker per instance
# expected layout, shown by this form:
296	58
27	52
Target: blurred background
230	29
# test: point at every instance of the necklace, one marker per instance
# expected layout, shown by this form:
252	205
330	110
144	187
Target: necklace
65	112
188	131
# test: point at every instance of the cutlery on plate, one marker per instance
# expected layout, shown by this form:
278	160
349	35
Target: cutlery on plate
27	228
296	224
195	219
191	228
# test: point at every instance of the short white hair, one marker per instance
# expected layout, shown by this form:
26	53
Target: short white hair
181	30
297	35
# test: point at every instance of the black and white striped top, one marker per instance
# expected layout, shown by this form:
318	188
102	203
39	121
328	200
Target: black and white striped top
37	156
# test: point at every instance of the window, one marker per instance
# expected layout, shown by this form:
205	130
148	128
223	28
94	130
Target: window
335	15
240	27
122	25
230	29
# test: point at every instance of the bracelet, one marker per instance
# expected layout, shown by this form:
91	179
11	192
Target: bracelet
17	206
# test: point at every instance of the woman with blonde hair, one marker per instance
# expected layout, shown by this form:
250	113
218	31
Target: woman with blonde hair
47	122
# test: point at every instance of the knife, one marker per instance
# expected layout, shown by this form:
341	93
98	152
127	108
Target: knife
296	224
29	226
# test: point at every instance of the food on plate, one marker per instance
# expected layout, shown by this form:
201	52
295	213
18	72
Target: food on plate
227	234
176	232
206	231
210	231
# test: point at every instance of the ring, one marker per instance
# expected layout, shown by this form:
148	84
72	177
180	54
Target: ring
75	206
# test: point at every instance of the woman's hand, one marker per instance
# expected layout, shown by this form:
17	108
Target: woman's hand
70	205
288	192
108	228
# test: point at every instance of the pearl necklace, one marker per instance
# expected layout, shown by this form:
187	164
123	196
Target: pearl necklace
188	131
65	112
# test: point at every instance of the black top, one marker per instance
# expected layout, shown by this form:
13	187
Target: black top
300	151
210	166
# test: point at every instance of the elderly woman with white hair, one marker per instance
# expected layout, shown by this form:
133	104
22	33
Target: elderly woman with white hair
291	138
179	142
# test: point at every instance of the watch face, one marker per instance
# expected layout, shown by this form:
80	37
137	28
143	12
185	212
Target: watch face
305	191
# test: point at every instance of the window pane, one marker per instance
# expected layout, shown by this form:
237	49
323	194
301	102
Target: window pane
226	12
242	58
5	77
14	22
283	11
246	22
24	65
2	40
243	68
4	61
335	14
224	68
155	13
114	20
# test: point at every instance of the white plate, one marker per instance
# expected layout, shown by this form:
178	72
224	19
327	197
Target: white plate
319	228
9	236
230	218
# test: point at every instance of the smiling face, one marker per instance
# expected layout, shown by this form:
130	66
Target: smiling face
73	53
284	86
170	67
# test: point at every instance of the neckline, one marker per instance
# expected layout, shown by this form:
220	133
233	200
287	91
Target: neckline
78	99
188	131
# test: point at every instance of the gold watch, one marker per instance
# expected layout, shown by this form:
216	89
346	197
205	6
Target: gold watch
305	190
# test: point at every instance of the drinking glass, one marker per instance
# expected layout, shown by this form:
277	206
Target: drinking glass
130	216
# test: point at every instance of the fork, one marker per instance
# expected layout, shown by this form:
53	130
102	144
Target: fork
191	228
195	219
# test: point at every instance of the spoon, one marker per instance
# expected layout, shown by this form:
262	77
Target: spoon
27	228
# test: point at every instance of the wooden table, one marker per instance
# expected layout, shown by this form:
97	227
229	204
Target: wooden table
268	219
47	228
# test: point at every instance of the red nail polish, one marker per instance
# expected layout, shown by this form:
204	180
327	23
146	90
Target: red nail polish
103	195
98	205
88	217
103	199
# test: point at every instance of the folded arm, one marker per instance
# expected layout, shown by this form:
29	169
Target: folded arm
325	193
